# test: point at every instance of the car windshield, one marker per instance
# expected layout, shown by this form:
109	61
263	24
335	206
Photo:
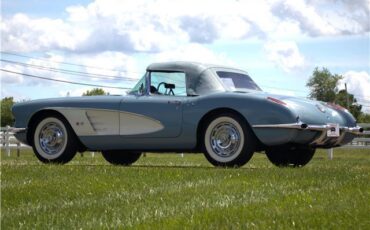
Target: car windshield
237	81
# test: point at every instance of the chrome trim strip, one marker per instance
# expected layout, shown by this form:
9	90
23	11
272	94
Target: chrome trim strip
354	130
16	130
299	125
321	140
89	119
80	108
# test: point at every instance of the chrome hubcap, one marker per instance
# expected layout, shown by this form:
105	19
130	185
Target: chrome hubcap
51	138
225	139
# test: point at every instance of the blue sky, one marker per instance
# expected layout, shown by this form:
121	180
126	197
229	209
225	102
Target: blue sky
279	42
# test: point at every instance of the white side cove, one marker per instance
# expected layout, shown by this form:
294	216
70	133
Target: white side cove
95	122
133	124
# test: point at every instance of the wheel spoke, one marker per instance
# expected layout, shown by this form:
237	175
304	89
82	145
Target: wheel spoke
225	139
51	138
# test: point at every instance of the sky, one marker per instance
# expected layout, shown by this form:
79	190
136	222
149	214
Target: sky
110	42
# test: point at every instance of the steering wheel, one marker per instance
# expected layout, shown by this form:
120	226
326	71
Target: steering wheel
167	86
160	84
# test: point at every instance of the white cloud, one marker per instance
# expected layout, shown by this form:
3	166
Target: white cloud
156	26
108	64
193	52
285	54
22	33
358	84
309	19
320	18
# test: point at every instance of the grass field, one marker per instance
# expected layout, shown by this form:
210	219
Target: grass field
171	192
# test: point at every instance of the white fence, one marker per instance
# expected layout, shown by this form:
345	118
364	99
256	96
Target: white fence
8	141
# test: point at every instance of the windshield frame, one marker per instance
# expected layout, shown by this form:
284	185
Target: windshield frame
143	80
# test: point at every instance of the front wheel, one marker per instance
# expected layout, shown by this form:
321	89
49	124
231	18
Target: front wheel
228	141
118	157
290	156
53	140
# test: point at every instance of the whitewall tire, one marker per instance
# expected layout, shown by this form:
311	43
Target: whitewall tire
228	141
54	140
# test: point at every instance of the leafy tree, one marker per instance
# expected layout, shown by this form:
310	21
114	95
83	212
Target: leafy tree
323	85
354	108
364	118
95	91
6	111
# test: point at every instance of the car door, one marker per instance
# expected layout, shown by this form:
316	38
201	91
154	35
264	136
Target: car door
157	113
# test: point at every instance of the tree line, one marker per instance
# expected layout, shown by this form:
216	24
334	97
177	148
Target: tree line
323	87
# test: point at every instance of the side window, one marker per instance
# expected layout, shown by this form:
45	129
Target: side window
168	83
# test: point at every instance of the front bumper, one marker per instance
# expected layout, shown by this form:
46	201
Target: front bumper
322	139
20	134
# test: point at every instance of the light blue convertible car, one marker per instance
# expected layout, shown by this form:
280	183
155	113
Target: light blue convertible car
185	107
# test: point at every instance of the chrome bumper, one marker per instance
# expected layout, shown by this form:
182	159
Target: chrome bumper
19	133
322	139
16	130
299	125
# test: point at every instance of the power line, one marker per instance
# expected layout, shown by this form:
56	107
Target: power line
71	72
78	73
63	81
65	63
110	77
79	83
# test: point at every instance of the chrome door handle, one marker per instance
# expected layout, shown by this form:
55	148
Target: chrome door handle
174	102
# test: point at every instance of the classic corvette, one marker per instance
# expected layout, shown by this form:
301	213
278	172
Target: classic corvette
185	107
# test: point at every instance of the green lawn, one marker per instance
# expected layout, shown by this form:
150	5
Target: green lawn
171	192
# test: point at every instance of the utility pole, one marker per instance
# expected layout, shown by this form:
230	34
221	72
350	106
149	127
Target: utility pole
345	85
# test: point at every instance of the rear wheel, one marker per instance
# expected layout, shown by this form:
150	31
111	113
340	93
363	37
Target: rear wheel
228	141
118	157
290	156
54	140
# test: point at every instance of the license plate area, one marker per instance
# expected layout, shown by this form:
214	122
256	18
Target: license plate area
333	130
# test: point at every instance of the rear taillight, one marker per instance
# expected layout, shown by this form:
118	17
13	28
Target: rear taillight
277	101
